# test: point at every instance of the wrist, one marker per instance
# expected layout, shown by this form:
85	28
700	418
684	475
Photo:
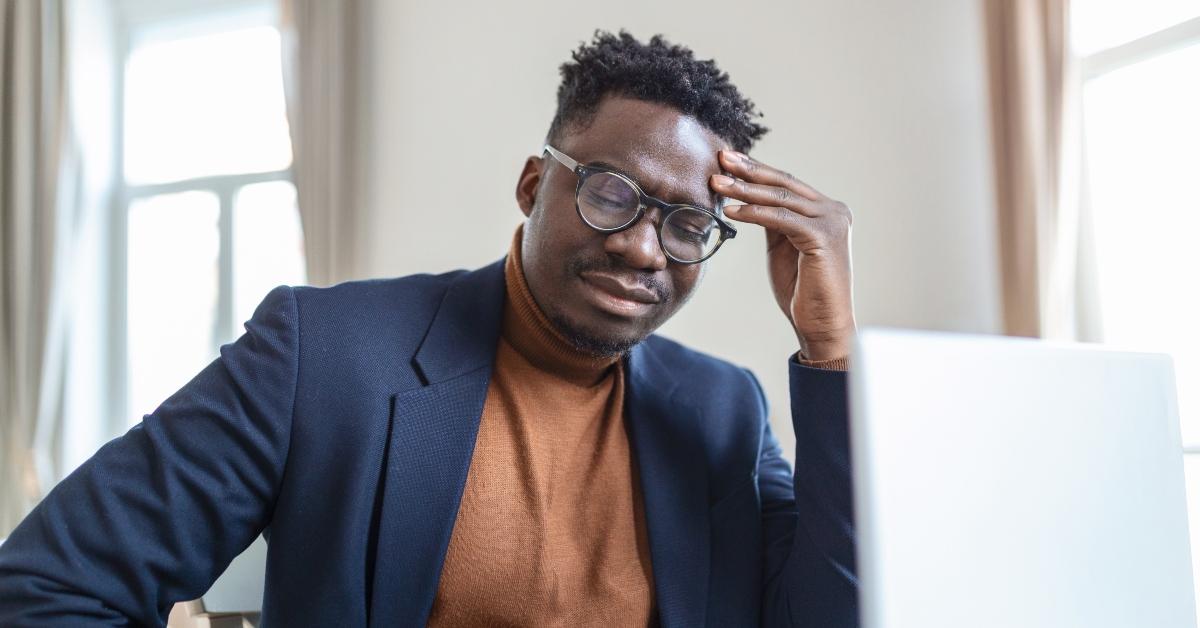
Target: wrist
821	350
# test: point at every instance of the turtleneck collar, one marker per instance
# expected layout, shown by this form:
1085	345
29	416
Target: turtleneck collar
531	333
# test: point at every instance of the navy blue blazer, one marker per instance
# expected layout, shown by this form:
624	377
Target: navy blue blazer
341	425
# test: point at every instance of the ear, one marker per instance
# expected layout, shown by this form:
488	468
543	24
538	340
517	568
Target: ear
528	183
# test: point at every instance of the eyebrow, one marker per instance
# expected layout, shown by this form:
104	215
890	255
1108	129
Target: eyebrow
713	197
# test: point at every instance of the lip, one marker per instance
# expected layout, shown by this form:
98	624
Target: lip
611	294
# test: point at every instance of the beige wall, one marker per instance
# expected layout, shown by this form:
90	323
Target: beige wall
878	104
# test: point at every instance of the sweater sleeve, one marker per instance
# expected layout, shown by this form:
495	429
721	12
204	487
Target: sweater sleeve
156	515
810	574
835	364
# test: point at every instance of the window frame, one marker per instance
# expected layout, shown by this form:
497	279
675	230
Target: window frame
1164	41
133	19
1170	39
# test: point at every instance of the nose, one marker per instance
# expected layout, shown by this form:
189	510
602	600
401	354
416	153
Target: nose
638	245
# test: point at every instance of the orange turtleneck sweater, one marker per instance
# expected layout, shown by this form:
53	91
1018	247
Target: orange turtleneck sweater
551	529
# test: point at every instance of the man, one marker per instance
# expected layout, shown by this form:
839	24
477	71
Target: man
508	446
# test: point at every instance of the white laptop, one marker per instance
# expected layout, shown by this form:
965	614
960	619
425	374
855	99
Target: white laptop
1017	483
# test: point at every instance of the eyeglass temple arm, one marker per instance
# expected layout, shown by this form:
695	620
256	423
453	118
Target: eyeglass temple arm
563	159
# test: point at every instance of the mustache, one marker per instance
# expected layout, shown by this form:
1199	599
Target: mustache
611	266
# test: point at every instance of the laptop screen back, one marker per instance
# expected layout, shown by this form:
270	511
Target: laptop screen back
1012	482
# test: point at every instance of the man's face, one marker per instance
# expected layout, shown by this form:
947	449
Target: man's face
606	292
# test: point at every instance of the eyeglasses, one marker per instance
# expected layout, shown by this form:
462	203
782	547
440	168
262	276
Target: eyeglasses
609	202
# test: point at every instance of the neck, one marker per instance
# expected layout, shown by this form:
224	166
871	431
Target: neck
527	328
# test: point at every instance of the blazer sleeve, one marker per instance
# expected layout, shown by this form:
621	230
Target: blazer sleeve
810	574
156	515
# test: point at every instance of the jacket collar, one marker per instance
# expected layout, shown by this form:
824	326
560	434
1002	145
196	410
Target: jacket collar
464	332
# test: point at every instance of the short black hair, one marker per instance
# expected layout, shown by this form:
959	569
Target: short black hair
658	72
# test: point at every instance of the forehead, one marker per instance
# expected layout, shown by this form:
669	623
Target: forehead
669	153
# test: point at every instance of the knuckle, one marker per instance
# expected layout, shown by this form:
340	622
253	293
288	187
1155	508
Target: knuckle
845	213
835	225
782	195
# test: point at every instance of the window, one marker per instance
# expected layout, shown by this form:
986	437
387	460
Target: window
1141	111
207	215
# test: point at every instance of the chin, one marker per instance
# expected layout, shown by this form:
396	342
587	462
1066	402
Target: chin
590	339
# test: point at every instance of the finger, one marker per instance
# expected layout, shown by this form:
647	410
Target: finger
775	218
760	194
745	167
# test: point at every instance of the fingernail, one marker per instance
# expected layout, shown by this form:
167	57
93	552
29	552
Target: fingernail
736	155
722	180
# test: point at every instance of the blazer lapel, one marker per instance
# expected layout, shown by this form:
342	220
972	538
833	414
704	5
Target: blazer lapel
431	439
667	438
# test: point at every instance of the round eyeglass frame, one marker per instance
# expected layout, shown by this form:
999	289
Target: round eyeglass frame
582	172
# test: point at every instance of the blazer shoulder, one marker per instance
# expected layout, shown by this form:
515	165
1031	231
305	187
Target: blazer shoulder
393	298
366	291
357	315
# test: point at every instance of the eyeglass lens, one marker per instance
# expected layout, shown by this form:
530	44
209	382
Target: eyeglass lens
608	202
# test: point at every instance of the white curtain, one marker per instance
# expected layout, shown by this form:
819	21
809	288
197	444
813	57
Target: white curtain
55	177
32	124
320	81
1046	258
